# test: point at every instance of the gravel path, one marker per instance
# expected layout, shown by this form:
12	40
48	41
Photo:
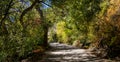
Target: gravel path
67	53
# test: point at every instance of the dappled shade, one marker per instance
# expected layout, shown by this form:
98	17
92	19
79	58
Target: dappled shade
59	30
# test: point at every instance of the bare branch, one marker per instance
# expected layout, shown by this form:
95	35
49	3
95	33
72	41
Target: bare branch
46	4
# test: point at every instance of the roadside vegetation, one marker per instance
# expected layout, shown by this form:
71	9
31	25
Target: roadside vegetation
27	26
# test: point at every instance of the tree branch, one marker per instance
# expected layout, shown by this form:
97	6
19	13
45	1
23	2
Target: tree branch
6	12
2	24
26	10
46	4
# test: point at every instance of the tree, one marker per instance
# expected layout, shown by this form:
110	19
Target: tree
21	29
81	13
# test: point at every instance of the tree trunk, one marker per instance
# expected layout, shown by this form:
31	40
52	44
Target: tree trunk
45	36
45	27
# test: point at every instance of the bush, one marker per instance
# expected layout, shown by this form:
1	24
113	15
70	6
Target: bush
14	46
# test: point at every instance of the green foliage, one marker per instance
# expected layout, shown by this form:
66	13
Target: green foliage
78	18
106	30
18	43
15	45
68	21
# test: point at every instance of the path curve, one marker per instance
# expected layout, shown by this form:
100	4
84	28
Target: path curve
67	53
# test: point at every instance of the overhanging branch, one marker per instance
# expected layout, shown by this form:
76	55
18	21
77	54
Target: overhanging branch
46	4
26	10
6	12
